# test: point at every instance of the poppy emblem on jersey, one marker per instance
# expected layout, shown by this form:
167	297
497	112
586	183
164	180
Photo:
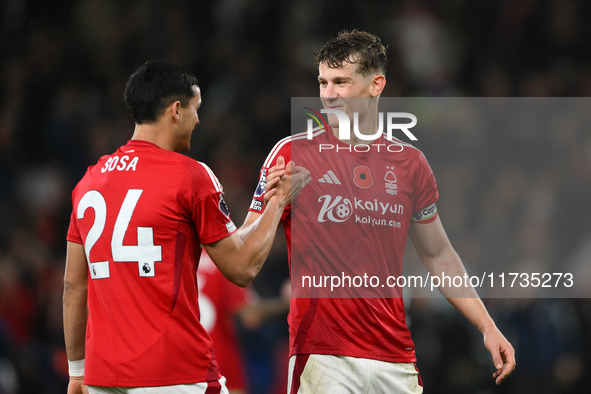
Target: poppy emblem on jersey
223	206
362	177
262	183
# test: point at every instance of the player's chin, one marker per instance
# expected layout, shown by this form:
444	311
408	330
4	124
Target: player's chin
333	121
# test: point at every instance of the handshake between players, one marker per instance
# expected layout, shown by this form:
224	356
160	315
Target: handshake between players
285	181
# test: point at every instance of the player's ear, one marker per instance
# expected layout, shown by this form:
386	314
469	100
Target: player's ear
378	83
174	109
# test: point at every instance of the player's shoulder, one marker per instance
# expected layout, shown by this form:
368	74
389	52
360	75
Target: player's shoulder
285	145
190	169
199	171
100	166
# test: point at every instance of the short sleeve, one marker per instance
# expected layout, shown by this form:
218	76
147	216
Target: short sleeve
426	195
209	210
212	218
73	231
73	234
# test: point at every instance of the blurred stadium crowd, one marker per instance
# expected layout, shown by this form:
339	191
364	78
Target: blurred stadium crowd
517	197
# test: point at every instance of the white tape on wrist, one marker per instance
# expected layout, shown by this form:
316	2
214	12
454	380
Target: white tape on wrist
76	368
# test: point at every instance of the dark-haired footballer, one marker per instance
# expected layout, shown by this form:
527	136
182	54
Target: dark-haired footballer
140	216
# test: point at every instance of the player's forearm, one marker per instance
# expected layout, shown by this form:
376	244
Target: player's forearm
447	264
250	223
475	311
240	256
75	317
244	231
464	297
259	240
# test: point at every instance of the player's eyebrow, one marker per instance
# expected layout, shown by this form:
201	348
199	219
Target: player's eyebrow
342	79
336	79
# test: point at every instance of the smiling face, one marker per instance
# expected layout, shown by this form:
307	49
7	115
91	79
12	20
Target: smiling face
338	84
188	121
342	81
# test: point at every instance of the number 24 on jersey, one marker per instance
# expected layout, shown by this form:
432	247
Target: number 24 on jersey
145	253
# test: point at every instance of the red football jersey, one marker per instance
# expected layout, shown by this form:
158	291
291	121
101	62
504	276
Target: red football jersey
353	218
219	300
142	214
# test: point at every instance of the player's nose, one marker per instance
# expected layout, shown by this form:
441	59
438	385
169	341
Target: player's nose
328	92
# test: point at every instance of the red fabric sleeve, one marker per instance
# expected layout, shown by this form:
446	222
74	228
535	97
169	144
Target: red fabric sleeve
212	218
426	193
73	230
209	210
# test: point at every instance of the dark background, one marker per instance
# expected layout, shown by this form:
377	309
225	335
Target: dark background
516	196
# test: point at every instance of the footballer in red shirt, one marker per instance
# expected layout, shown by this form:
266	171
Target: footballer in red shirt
355	217
140	218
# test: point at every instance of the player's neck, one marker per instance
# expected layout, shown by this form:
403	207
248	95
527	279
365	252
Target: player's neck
154	133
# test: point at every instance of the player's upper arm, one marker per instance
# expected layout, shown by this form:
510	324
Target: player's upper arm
224	254
430	241
76	267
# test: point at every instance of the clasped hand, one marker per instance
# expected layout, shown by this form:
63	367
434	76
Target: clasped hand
285	182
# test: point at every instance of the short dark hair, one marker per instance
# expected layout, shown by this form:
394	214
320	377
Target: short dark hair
359	47
153	86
